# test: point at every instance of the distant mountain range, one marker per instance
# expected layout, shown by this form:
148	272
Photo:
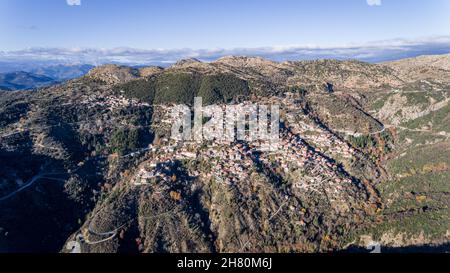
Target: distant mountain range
23	80
35	77
59	71
63	72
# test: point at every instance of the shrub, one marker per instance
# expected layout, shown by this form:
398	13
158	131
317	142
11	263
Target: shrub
176	88
125	140
222	88
140	89
182	87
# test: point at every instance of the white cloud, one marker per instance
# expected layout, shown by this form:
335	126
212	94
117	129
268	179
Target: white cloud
374	2
74	2
371	52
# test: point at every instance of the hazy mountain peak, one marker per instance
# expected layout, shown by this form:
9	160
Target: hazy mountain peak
63	72
21	80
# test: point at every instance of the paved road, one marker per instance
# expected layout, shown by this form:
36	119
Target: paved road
31	182
27	185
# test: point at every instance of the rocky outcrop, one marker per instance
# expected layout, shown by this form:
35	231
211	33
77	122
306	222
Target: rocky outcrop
114	74
150	71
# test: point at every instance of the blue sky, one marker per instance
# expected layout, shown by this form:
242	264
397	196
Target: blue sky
217	24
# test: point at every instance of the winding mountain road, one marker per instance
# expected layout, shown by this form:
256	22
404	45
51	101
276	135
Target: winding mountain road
31	183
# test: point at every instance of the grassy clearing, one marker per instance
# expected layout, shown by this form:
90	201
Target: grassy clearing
438	120
422	159
432	225
416	192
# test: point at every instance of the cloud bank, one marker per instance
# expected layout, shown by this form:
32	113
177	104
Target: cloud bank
371	52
